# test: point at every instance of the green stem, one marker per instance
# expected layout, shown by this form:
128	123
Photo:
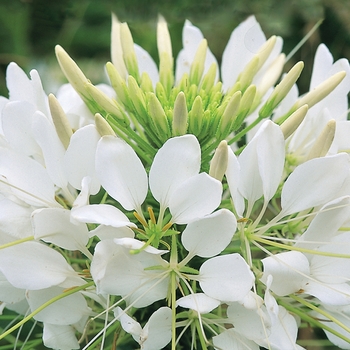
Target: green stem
173	263
43	306
201	338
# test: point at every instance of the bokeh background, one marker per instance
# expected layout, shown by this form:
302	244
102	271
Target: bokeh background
29	29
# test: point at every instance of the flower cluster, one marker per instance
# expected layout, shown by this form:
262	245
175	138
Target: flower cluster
179	207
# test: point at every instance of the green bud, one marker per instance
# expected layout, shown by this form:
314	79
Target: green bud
119	85
230	113
209	78
281	90
180	115
146	83
293	121
218	164
195	116
156	112
166	61
107	104
72	72
265	50
129	54
245	106
321	91
248	73
323	141
59	118
116	48
102	126
197	67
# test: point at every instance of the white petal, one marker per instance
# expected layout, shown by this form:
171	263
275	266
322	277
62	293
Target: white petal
79	160
262	162
191	38
8	293
194	198
244	43
231	339
232	176
16	119
157	331
52	148
18	84
199	302
121	172
110	232
60	337
104	214
54	225
128	323
30	180
31	265
65	311
289	270
210	235
176	161
146	64
226	278
314	183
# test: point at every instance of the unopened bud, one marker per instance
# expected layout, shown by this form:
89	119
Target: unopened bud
129	54
293	121
265	50
180	115
281	90
322	90
106	103
195	116
245	106
323	141
116	48
272	74
102	126
156	111
59	118
72	72
209	78
218	164
230	113
197	67
248	73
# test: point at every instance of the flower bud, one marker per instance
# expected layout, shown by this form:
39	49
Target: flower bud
156	111
281	90
245	106
180	115
197	67
102	126
293	121
106	103
116	48
322	90
323	141
129	54
230	113
218	164
209	78
248	73
59	118
195	116
72	72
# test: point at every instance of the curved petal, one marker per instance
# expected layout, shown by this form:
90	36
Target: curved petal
121	172
31	265
67	310
128	323
176	161
230	339
195	198
60	337
79	160
314	183
104	214
198	302
226	278
210	235
244	43
54	225
146	64
289	270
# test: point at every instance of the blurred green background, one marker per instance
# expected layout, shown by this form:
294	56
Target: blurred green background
29	29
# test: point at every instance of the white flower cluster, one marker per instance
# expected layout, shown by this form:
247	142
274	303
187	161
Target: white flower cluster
177	208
